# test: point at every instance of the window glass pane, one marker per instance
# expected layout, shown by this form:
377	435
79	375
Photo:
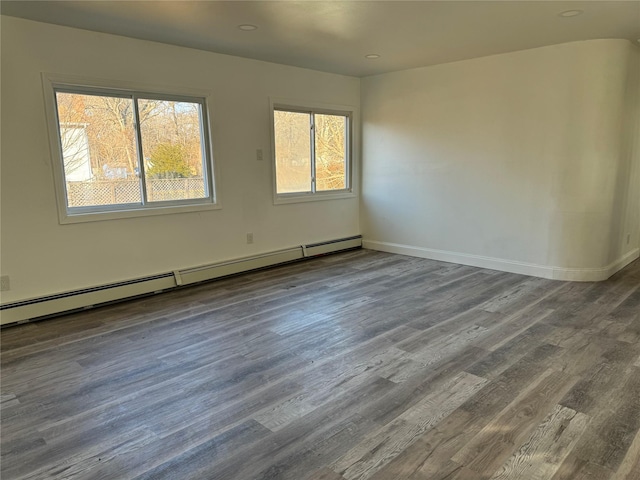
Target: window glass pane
172	149
331	152
293	151
98	148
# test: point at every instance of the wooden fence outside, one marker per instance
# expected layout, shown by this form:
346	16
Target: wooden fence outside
113	192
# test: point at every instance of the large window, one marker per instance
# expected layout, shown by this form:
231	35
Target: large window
122	151
312	150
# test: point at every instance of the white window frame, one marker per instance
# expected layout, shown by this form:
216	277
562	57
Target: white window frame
348	111
73	84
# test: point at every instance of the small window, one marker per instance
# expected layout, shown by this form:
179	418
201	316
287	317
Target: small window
129	151
312	150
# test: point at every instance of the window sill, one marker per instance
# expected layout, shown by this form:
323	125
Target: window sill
69	218
284	199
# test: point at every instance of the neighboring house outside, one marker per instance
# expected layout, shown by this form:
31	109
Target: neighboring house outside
75	151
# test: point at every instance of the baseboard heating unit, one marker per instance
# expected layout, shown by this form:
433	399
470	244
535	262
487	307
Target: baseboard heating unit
36	308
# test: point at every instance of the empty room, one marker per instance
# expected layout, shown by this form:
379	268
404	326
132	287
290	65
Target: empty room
320	240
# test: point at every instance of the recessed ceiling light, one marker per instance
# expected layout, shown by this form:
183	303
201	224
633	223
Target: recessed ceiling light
372	56
247	27
571	13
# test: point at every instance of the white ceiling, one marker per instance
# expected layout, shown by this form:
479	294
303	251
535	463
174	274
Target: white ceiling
334	36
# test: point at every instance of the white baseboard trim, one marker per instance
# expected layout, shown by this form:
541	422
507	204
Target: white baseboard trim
532	269
21	311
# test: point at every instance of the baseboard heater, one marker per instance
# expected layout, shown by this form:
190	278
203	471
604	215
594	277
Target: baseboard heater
42	307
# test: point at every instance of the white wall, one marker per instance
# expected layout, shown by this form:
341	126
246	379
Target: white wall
631	153
43	257
526	161
513	161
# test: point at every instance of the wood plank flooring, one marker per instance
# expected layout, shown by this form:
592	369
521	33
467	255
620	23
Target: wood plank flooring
359	365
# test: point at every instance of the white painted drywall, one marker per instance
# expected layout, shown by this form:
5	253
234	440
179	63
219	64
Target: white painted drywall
43	257
526	161
513	161
626	232
631	146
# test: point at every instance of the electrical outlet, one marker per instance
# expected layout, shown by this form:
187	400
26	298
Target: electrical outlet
628	238
249	237
4	283
259	154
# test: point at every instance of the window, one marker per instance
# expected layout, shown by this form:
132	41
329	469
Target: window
121	152
312	151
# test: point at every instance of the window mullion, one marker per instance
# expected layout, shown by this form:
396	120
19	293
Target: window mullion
348	152
138	130
312	143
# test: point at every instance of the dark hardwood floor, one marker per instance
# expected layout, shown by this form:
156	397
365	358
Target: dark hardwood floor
360	365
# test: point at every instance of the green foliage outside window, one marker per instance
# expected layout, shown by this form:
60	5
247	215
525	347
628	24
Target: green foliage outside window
169	161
